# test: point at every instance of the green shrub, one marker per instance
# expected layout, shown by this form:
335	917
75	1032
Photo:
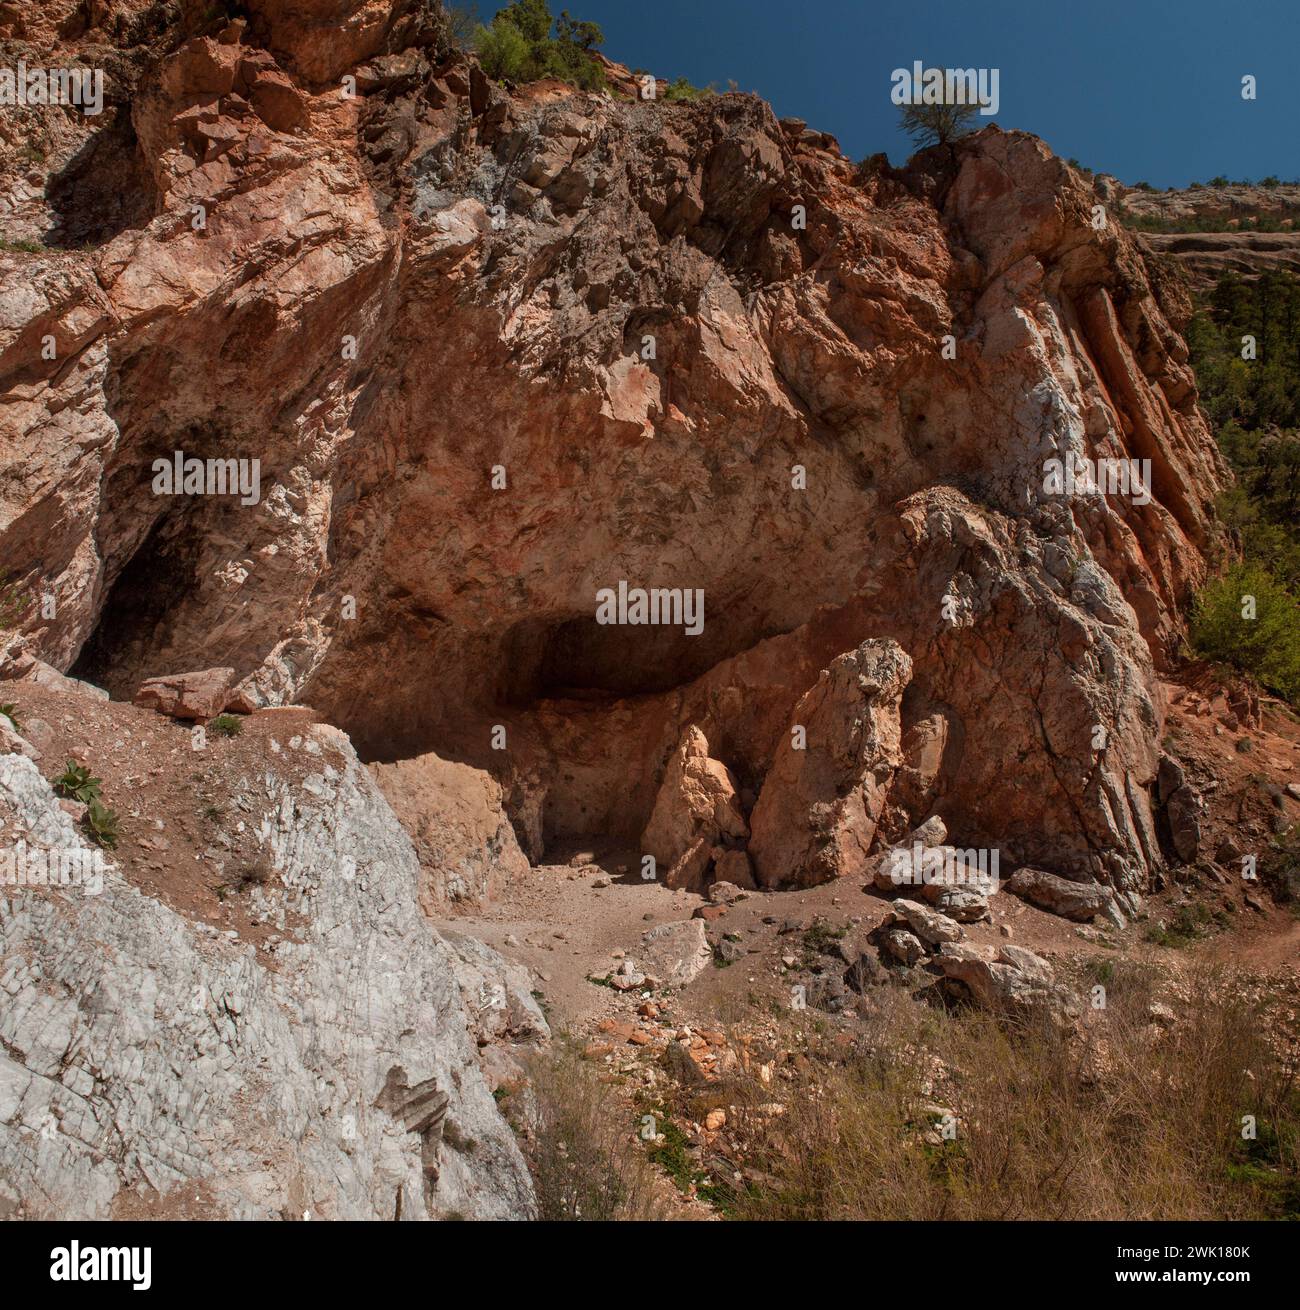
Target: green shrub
76	784
101	824
1280	866
227	725
681	89
1254	405
518	46
10	711
1266	646
504	52
1189	924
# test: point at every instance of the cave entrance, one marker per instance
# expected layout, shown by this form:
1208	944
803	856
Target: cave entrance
578	658
136	614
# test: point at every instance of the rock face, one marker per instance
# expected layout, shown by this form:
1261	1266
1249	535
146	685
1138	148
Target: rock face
1247	248
140	1054
505	1020
496	352
1208	255
453	814
1182	809
695	810
823	799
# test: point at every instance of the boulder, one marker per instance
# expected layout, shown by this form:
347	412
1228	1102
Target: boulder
817	812
904	946
675	953
201	695
1014	981
696	806
1079	901
929	925
957	882
933	832
965	904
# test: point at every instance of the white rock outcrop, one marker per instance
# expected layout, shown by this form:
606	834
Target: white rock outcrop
141	1052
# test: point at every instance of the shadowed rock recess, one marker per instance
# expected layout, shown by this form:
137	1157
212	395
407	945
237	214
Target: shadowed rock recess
497	350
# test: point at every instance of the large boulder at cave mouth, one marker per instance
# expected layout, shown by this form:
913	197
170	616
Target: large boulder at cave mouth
823	798
695	810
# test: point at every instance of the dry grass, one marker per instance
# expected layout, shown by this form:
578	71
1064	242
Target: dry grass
581	1145
1126	1120
1119	1118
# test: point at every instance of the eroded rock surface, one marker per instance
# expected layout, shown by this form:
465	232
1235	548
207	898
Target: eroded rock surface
496	351
453	814
695	811
825	795
141	1054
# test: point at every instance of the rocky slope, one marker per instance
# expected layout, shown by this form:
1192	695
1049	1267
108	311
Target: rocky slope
1241	201
315	1061
1259	226
498	351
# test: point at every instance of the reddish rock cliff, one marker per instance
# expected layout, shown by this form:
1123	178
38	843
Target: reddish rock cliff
495	352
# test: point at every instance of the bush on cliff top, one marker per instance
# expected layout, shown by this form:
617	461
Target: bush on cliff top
518	46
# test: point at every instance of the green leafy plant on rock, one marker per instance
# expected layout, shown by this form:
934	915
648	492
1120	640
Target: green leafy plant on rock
102	824
1248	619
75	783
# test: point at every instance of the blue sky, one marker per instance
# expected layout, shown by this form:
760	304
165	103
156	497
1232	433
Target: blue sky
1149	90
